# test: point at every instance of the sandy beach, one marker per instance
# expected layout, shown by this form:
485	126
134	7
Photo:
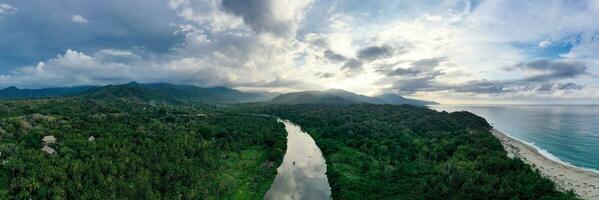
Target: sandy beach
584	183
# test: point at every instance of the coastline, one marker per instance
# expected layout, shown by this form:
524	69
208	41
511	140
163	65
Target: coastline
585	183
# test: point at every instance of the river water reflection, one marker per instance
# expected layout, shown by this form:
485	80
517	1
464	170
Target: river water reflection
302	175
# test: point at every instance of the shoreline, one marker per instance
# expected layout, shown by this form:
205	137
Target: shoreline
583	182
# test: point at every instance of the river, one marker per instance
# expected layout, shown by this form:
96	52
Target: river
302	175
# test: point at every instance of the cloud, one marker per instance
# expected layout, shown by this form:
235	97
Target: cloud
111	66
70	69
279	17
541	77
481	87
418	84
546	70
544	44
116	55
207	13
375	52
140	24
433	18
6	9
478	87
324	74
586	48
283	45
352	67
550	87
353	64
419	70
403	72
427	63
79	19
332	56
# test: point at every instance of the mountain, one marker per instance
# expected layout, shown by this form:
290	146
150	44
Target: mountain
171	93
309	97
397	100
16	93
336	96
354	97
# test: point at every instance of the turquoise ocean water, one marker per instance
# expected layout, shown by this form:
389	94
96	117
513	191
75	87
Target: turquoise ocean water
566	133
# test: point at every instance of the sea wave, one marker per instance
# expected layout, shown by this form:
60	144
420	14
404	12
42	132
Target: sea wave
549	155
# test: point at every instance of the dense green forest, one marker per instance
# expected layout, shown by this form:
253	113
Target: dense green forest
406	152
117	148
141	92
138	151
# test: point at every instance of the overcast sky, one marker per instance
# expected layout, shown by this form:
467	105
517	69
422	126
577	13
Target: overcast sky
454	51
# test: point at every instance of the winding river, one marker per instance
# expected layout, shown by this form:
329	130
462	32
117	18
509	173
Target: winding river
302	175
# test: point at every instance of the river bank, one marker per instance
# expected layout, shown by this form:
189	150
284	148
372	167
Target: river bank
583	182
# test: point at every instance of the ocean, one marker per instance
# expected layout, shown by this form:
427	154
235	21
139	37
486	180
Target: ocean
565	133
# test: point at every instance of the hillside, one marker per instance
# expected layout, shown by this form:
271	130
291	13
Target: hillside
309	97
399	100
16	93
150	92
336	96
171	93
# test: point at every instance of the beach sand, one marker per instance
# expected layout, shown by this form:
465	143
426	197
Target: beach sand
584	183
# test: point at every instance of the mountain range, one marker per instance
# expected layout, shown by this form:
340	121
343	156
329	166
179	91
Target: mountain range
172	93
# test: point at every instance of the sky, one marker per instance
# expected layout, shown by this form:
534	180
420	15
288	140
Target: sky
452	51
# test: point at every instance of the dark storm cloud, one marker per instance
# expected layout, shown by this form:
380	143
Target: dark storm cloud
375	52
332	56
547	70
42	29
258	15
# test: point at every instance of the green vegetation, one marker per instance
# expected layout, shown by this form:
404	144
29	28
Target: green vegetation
336	96
405	152
150	92
170	93
139	152
143	148
16	93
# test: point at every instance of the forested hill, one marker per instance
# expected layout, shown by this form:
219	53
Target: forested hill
16	93
406	152
336	96
143	93
172	94
79	148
